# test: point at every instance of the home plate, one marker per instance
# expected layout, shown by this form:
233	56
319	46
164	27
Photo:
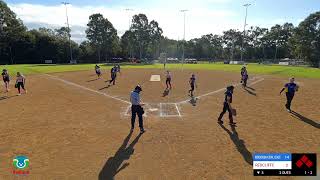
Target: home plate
153	109
155	78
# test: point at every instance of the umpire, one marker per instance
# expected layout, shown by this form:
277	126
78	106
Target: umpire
136	108
227	106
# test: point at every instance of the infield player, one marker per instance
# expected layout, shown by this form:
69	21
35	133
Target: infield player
118	68
244	78
113	72
243	69
227	106
193	84
136	108
98	71
6	79
20	83
290	88
168	80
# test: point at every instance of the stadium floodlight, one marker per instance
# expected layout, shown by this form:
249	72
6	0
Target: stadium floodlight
69	30
244	29
130	50
184	32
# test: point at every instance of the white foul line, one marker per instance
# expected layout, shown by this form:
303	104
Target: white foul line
85	88
127	102
219	90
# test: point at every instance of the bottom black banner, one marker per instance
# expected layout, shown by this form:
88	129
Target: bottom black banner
285	172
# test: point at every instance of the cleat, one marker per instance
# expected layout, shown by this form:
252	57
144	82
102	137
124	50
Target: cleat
142	131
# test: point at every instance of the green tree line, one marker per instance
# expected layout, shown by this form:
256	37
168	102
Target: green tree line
144	40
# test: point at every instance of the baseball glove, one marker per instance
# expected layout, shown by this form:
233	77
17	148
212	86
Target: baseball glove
142	110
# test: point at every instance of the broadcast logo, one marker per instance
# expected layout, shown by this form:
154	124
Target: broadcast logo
21	165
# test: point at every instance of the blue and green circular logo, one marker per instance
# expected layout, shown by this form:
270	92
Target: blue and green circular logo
21	162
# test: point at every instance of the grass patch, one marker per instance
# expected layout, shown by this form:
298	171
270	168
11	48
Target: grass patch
287	71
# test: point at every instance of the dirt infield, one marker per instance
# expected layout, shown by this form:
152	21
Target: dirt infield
73	126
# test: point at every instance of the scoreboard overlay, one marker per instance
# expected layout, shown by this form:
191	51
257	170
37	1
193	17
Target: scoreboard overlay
284	164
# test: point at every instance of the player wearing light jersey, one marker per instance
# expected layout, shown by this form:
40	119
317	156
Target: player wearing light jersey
168	80
20	83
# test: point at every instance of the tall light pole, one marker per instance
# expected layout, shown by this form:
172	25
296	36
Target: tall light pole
275	54
244	29
129	43
69	34
184	32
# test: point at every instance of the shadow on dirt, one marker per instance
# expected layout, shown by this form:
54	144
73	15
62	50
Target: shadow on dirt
113	165
93	80
166	92
305	119
193	101
250	91
7	97
239	143
108	86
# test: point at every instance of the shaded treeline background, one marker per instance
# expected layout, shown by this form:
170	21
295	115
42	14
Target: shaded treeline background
145	40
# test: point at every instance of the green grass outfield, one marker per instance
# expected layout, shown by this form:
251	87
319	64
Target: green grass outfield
286	71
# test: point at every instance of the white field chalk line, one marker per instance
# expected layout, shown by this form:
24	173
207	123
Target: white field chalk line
177	109
88	89
219	90
170	116
160	104
178	114
160	107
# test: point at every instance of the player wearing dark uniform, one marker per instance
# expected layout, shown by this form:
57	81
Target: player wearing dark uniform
227	105
290	88
192	83
243	69
98	71
168	80
113	75
20	83
244	78
6	79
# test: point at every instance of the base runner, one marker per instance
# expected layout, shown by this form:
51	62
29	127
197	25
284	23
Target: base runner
193	84
6	79
98	71
168	80
20	83
113	73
